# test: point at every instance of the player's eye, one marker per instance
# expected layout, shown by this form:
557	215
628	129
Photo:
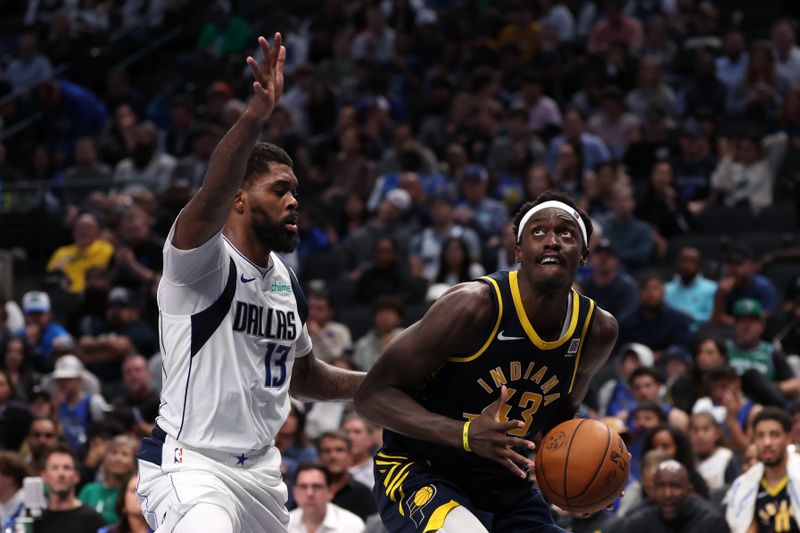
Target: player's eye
566	233
538	231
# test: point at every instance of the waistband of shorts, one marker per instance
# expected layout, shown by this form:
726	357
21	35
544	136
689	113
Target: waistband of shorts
228	458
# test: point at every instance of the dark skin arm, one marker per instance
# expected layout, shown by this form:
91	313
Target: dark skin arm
207	211
458	322
315	380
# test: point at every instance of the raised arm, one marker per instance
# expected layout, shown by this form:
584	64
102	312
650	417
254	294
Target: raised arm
458	322
207	211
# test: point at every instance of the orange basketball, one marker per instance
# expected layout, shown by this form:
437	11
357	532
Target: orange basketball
582	466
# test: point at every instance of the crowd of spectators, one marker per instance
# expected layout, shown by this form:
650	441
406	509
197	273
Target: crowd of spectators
417	129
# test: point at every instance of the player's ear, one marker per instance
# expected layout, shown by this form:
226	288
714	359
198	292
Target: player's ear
239	201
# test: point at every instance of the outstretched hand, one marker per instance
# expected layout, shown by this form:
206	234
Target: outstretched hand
268	76
488	437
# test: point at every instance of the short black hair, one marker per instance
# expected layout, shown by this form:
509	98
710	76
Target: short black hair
310	465
64	449
645	371
774	413
262	155
551	195
651	407
721	373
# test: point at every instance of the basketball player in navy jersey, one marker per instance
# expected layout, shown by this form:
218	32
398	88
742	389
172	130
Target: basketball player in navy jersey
493	363
233	337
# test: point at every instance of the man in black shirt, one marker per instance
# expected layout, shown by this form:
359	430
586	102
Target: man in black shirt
334	454
64	511
676	509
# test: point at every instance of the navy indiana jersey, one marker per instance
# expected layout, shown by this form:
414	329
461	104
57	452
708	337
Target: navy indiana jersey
539	375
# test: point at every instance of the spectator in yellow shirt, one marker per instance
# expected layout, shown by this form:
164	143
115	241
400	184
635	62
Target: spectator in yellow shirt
87	251
521	31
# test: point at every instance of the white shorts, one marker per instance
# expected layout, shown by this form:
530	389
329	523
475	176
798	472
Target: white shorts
173	479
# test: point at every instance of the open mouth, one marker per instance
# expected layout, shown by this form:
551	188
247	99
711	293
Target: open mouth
291	223
550	260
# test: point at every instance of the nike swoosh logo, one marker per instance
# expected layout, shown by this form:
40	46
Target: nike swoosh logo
246	280
502	337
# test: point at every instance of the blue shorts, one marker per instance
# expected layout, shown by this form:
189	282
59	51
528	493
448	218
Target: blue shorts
413	497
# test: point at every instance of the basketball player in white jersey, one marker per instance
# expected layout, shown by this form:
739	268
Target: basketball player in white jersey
233	337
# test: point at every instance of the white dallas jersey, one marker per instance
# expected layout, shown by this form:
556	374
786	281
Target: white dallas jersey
229	333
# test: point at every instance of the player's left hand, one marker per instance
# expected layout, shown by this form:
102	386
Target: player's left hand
268	75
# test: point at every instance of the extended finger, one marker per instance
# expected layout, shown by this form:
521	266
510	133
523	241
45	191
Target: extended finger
516	442
508	463
277	42
518	459
500	401
279	72
266	56
508	426
254	67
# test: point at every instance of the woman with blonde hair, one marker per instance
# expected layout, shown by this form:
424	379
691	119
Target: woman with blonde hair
118	464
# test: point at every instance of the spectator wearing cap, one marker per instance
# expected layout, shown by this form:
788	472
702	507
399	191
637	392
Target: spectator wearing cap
477	210
609	285
76	408
88	250
748	351
426	246
146	169
40	329
783	328
631	237
593	149
331	339
12	473
122	332
693	166
388	221
615	397
689	291
741	281
387	319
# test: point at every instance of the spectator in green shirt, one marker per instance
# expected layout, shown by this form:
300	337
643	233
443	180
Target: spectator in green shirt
118	465
224	34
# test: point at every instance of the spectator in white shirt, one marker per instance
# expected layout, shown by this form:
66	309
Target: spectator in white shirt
315	513
359	431
331	339
787	53
30	67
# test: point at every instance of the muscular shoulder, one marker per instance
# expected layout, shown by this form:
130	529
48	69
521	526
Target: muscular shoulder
472	303
602	336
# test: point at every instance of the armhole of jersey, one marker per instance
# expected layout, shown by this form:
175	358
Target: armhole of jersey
206	322
584	340
498	318
299	295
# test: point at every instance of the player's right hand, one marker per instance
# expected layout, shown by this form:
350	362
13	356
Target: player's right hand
488	437
268	75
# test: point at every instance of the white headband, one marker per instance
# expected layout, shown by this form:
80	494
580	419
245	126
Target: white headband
555	204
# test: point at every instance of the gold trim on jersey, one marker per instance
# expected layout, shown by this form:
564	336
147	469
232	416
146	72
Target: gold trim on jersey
540	343
582	341
486	344
774	491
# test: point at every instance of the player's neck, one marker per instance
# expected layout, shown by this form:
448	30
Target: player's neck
242	238
775	474
546	310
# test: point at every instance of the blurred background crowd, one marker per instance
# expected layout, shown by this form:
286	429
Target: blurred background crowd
417	128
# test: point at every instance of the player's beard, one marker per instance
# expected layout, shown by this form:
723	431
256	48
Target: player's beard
273	235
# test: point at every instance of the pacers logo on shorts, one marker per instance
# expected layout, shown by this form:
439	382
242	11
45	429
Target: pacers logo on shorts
417	502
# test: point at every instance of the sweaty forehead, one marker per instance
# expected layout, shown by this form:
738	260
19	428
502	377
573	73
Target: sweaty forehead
553	214
278	174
